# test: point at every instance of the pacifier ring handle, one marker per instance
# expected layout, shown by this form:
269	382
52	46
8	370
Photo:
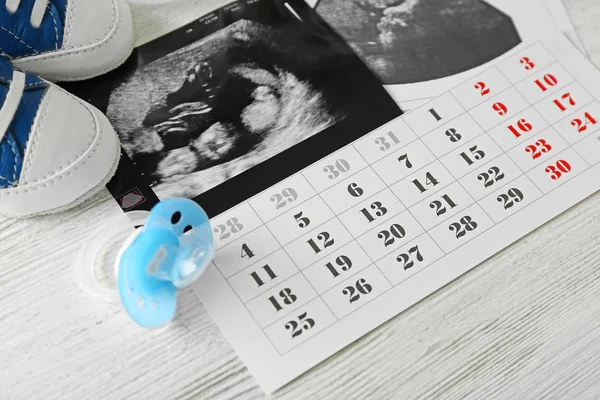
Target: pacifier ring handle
94	263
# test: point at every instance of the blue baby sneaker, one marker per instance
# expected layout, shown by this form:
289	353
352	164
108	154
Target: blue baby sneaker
66	39
55	149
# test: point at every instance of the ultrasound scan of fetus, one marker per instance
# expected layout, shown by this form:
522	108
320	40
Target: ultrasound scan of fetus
222	105
410	41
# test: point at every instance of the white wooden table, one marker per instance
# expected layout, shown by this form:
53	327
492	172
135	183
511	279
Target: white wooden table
524	324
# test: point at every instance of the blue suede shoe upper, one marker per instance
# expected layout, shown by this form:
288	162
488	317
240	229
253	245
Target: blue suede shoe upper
18	38
14	142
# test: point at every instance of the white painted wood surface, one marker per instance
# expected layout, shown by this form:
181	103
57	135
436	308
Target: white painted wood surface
523	325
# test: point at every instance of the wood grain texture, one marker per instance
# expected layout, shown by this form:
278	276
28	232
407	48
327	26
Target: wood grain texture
523	325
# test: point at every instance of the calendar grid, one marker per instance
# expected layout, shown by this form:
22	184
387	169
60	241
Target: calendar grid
398	198
550	126
337	215
403	205
433	264
585	105
245	305
300	271
532	105
380	264
504	152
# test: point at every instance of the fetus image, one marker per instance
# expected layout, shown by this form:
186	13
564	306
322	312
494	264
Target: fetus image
409	41
224	104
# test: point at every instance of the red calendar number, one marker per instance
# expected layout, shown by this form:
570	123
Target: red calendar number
500	108
540	147
556	171
481	86
527	62
548	80
582	124
522	126
567	99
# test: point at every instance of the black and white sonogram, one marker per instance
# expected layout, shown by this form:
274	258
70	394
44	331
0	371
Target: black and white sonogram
235	101
221	105
408	41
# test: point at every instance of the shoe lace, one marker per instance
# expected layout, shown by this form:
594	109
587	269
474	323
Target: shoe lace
37	13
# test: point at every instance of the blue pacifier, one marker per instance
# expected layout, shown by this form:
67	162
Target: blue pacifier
173	247
170	252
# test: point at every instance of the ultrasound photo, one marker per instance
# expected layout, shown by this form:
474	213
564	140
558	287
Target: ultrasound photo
231	101
409	41
217	99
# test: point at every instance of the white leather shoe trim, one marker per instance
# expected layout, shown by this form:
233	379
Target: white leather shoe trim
77	181
63	130
89	22
98	38
12	101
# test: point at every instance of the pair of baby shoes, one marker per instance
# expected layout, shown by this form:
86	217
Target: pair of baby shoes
55	149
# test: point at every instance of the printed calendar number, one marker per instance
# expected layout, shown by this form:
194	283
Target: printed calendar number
302	221
443	205
527	63
483	88
303	323
285	296
556	171
268	272
491	177
476	153
453	135
549	80
464	225
354	292
538	148
511	197
564	101
500	108
383	143
408	259
404	159
246	252
429	181
355	190
522	127
582	124
378	210
324	240
288	195
343	262
509	200
435	114
231	226
389	236
335	170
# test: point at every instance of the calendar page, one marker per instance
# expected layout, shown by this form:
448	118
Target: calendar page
319	259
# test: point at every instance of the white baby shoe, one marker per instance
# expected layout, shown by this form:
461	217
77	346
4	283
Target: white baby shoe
55	149
66	40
